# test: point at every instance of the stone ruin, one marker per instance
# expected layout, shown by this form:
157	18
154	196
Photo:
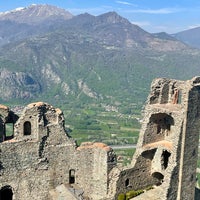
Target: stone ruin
40	161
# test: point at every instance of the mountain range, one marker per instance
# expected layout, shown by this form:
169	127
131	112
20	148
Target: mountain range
48	54
190	37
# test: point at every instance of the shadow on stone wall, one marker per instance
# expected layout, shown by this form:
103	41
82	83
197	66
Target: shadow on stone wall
197	194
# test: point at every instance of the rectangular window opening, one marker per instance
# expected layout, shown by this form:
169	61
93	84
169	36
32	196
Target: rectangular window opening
9	131
71	176
179	97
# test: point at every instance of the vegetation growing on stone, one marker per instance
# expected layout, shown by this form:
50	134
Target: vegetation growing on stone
132	193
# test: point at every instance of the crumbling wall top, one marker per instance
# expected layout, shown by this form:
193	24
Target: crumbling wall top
4	111
3	107
36	104
196	80
163	144
95	145
58	111
44	105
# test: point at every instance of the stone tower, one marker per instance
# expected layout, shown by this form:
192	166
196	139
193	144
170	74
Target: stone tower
167	150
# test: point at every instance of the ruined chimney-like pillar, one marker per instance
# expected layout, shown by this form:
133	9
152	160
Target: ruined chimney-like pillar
167	149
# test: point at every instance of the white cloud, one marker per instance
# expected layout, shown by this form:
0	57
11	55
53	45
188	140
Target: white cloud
193	26
155	11
125	3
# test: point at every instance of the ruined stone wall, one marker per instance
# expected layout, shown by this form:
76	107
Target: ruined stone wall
34	163
41	156
22	171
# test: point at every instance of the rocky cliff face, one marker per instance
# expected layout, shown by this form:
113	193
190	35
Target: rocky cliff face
10	82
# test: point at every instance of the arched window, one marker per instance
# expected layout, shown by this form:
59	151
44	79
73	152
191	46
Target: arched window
27	128
6	193
71	176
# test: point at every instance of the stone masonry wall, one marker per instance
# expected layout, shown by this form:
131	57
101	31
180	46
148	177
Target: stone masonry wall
33	164
93	159
190	149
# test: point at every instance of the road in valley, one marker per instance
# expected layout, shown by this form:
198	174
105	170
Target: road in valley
129	146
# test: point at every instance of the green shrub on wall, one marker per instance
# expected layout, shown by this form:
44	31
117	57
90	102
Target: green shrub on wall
149	188
121	197
133	193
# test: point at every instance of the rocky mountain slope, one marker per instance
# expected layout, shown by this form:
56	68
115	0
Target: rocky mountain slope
85	58
35	14
29	21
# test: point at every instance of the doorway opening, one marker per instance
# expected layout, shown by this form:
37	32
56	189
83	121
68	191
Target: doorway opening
6	193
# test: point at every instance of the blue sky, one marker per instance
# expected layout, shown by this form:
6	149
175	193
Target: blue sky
170	16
